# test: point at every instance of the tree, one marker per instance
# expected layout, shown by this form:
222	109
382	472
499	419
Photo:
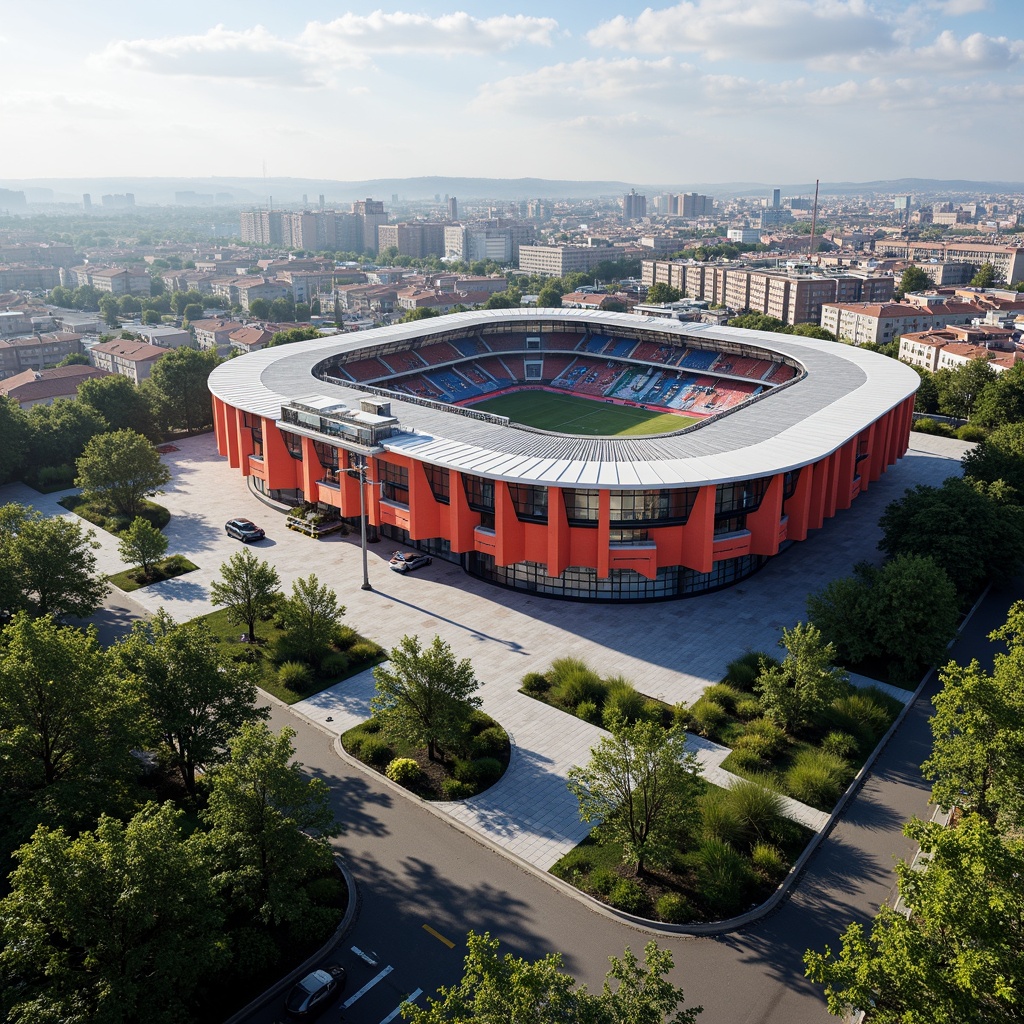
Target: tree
248	587
499	300
197	699
985	277
962	389
905	612
424	696
927	397
496	989
259	308
798	690
269	825
549	298
58	433
311	617
641	784
109	311
420	313
150	317
1002	402
177	387
999	457
75	359
295	334
65	721
193	311
54	565
913	279
282	309
14	429
966	532
119	402
661	292
142	544
120	469
115	925
955	957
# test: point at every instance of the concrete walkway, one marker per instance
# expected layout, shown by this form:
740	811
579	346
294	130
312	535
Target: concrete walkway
670	650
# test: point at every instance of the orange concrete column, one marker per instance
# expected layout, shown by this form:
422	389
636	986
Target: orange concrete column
510	533
764	523
310	470
699	532
424	509
819	484
798	507
847	460
463	518
280	468
558	533
219	425
604	516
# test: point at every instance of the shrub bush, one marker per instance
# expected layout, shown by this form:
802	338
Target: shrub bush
371	726
535	684
744	759
363	650
377	751
488	771
622	702
681	715
576	862
971	432
344	637
55	476
744	670
747	708
284	649
453	789
573	682
354	745
295	675
724	694
707	717
655	711
817	777
861	715
333	665
753	749
840	744
603	880
673	908
629	895
587	710
492	742
770	733
768	860
403	770
718	819
757	808
723	875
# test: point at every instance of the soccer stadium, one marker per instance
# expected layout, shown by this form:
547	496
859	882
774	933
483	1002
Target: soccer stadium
570	453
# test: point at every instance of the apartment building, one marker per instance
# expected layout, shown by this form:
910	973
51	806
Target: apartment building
880	323
15	276
250	339
953	346
1008	260
418	239
214	333
44	387
37	351
131	359
113	280
559	260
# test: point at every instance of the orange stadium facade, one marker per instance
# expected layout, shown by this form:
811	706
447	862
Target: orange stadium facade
795	429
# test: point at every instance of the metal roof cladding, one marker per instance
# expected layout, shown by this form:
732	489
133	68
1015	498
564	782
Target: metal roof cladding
842	391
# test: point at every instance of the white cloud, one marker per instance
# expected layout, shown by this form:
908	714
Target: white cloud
402	32
957	8
947	55
766	30
253	55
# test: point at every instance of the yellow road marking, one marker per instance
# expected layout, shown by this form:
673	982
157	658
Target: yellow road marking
439	936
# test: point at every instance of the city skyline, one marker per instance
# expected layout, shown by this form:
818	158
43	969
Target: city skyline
698	91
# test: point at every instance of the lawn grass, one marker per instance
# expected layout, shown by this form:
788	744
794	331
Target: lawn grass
166	569
571	414
362	654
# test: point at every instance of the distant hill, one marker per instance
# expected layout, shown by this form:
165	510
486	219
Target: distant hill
247	191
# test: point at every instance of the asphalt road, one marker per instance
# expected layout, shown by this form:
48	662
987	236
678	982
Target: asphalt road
423	885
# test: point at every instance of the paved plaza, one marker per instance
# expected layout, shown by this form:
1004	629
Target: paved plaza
670	650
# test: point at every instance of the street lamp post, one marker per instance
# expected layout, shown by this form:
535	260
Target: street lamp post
362	523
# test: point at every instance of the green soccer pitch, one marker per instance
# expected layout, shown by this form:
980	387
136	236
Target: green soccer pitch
570	414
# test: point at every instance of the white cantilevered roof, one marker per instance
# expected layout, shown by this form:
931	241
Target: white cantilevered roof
844	390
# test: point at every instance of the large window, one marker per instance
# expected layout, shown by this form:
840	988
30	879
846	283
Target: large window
740	496
327	455
480	497
394	482
531	502
662	506
293	443
581	506
255	425
437	477
789	482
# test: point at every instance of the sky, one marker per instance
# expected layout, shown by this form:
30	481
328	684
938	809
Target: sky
700	91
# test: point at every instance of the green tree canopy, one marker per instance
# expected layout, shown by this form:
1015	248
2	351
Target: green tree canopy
913	279
661	292
311	616
293	335
66	724
798	690
963	389
967	533
259	308
58	433
248	587
1000	457
641	783
985	277
75	359
142	544
498	989
955	957
1002	402
178	391
197	699
119	402
112	926
424	695
927	397
904	612
549	298
269	825
420	313
120	469
14	429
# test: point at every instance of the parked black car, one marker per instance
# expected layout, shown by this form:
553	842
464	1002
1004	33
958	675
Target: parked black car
244	529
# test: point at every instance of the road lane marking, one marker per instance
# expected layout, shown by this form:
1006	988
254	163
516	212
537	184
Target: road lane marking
364	956
439	936
366	988
413	996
